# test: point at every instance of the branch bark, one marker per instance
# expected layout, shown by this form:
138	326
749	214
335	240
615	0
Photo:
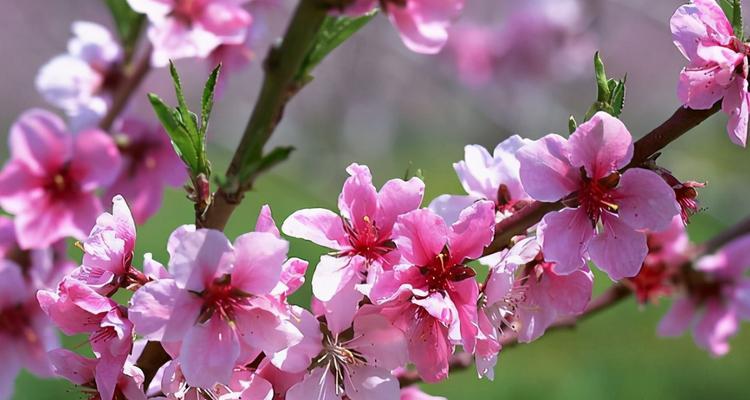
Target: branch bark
682	121
132	80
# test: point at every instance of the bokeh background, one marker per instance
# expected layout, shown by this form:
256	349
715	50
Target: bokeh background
376	103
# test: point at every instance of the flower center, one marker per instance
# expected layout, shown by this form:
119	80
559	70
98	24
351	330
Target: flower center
62	184
439	275
222	299
366	240
14	321
187	10
337	358
138	153
596	195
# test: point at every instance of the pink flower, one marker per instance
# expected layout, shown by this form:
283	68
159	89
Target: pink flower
149	164
422	24
25	332
475	51
414	393
192	28
362	237
76	308
81	81
717	298
486	176
127	382
584	172
51	177
244	384
214	303
717	66
356	366
432	295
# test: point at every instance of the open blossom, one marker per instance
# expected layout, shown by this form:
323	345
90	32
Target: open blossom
422	24
362	236
214	303
77	308
717	297
432	295
244	384
718	66
192	28
81	81
486	176
127	382
357	365
149	163
50	180
583	172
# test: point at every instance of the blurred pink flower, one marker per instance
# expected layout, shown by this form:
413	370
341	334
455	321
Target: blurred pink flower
127	382
149	164
213	303
356	368
717	298
486	176
422	24
50	181
718	65
192	28
362	237
432	293
80	82
583	172
414	393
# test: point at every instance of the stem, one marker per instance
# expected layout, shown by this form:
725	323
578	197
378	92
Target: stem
682	121
125	90
280	84
152	358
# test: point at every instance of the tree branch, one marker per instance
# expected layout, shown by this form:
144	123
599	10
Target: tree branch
682	121
127	87
280	84
152	358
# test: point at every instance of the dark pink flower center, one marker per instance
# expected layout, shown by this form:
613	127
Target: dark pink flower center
14	322
138	154
221	298
188	10
439	273
62	184
595	196
366	240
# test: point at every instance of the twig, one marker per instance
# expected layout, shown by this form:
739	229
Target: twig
127	87
152	358
740	229
682	121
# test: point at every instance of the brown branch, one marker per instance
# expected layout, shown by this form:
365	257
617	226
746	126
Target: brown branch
740	229
152	358
682	121
131	81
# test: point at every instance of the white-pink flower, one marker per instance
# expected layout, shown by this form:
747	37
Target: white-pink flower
215	304
127	382
192	28
718	65
486	176
606	211
49	183
80	82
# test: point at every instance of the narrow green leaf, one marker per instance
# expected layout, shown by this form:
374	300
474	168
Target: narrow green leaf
737	19
268	161
207	101
572	125
602	85
188	120
181	142
617	101
128	23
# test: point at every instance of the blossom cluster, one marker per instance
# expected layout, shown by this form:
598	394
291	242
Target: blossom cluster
403	283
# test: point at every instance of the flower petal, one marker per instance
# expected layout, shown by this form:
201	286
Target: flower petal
618	250
545	170
645	200
601	145
564	236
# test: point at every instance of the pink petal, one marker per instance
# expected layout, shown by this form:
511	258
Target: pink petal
678	318
152	8
320	226
449	207
414	393
208	353
12	285
477	172
10	370
97	161
382	344
398	197
370	383
715	327
72	366
618	250
569	294
265	221
358	200
423	24
296	358
741	298
465	295
429	349
266	330
340	309
602	145
226	20
420	235
199	257
699	88
545	170
472	232
645	200
18	186
688	30
152	306
317	385
39	139
730	261
292	277
564	237
736	104
257	266
333	273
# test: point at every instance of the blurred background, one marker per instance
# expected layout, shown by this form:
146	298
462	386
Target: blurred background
512	67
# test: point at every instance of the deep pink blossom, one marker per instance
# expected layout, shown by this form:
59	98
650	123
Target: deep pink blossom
432	295
127	382
149	164
81	81
50	179
77	308
192	28
486	176
718	66
244	384
716	299
606	211
414	393
215	304
357	365
362	237
422	24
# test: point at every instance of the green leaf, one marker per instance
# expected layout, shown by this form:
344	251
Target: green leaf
610	93
181	141
190	121
733	10
334	32
572	125
207	101
268	161
602	84
617	101
128	24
